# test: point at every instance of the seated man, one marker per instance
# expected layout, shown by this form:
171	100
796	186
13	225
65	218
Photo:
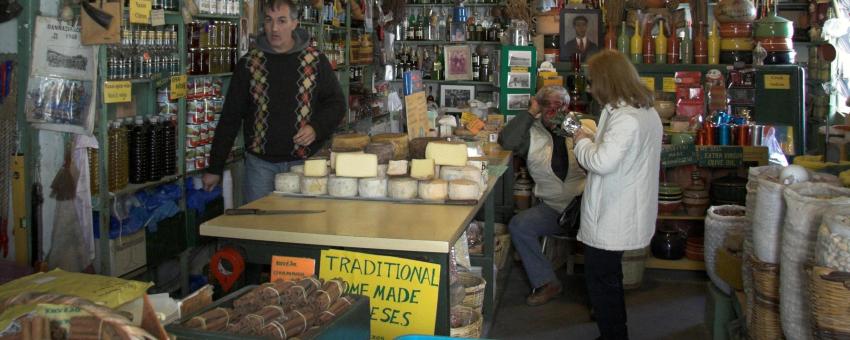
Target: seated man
557	179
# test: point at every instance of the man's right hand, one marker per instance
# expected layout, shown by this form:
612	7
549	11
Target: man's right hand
210	181
534	108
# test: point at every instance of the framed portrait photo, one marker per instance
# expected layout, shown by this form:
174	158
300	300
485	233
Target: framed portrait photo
455	97
458	62
519	80
518	101
518	58
581	33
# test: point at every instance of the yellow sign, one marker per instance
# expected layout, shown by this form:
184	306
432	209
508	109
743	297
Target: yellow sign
117	92
403	293
157	17
519	69
178	87
668	84
777	81
286	268
140	11
649	82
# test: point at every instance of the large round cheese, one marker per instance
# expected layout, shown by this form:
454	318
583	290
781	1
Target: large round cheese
288	182
433	190
382	170
298	169
403	188
314	185
342	186
384	151
335	152
399	141
350	140
373	187
418	145
463	189
471	173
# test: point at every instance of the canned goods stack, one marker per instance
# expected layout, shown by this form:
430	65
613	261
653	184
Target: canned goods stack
144	51
204	103
212	47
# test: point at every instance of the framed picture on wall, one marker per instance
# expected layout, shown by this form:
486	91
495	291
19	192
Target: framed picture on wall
519	101
519	80
519	59
455	97
458	62
581	33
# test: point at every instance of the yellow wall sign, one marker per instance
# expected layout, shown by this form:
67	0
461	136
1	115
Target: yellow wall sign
140	11
178	87
117	92
403	293
668	84
649	82
777	81
286	268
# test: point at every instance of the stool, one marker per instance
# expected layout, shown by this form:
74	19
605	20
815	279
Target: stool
571	249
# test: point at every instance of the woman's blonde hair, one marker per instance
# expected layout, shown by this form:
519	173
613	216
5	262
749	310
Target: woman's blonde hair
615	79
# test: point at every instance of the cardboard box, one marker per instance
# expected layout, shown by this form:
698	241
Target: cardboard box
126	253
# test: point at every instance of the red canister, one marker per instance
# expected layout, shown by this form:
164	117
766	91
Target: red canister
742	134
709	133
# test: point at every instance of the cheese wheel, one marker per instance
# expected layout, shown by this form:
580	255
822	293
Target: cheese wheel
316	167
335	152
399	142
397	168
357	165
384	151
288	182
382	171
402	188
463	189
418	145
478	162
433	190
372	187
350	140
451	173
298	169
314	185
447	153
342	186
422	169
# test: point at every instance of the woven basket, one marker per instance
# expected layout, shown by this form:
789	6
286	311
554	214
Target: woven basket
634	263
766	322
474	286
471	330
830	305
765	280
502	247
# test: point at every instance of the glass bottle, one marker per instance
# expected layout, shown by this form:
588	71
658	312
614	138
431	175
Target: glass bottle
636	44
437	73
700	45
648	44
673	47
714	45
661	45
686	47
623	40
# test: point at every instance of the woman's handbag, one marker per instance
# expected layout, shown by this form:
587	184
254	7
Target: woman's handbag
570	219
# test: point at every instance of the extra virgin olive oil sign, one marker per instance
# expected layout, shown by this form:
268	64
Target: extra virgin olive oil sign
403	293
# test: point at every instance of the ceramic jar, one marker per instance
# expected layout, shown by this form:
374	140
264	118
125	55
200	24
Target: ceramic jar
668	243
730	189
775	34
734	11
695	197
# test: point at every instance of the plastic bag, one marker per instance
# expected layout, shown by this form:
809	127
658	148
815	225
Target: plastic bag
806	204
774	149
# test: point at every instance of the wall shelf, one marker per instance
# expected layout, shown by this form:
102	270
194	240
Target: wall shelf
216	16
489	4
443	42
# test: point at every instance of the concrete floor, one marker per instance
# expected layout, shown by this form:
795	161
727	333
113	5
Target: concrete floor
669	305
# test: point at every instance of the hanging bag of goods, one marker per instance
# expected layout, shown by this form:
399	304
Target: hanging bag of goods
770	212
833	247
806	204
721	221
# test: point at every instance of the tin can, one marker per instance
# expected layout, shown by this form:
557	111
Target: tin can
724	134
757	135
742	135
203	133
200	161
709	133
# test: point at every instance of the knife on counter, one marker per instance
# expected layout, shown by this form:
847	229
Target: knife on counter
269	212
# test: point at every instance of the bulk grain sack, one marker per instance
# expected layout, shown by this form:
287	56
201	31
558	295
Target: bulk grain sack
833	247
719	222
806	203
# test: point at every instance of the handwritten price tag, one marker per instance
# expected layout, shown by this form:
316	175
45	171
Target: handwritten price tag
178	87
140	11
117	92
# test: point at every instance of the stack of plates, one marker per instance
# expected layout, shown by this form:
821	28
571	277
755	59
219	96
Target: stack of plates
669	198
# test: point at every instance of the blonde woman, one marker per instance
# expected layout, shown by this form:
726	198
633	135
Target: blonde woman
622	161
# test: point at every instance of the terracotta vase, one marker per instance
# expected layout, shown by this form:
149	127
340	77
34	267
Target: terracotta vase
700	45
611	36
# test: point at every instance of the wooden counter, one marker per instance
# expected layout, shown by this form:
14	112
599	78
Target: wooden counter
358	224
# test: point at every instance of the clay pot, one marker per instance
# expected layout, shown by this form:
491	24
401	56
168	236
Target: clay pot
669	207
668	243
780	58
665	108
655	3
736	44
734	11
776	44
774	26
730	57
736	30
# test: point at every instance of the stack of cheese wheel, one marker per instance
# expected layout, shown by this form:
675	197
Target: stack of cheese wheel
350	140
399	142
315	178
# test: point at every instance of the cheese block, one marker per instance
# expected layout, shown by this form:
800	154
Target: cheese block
298	169
402	188
314	185
397	168
447	153
372	187
422	169
418	145
350	140
288	182
335	152
463	189
316	167
399	142
450	173
357	165
384	151
433	190
382	171
342	186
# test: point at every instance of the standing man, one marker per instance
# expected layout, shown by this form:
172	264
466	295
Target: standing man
581	45
285	96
